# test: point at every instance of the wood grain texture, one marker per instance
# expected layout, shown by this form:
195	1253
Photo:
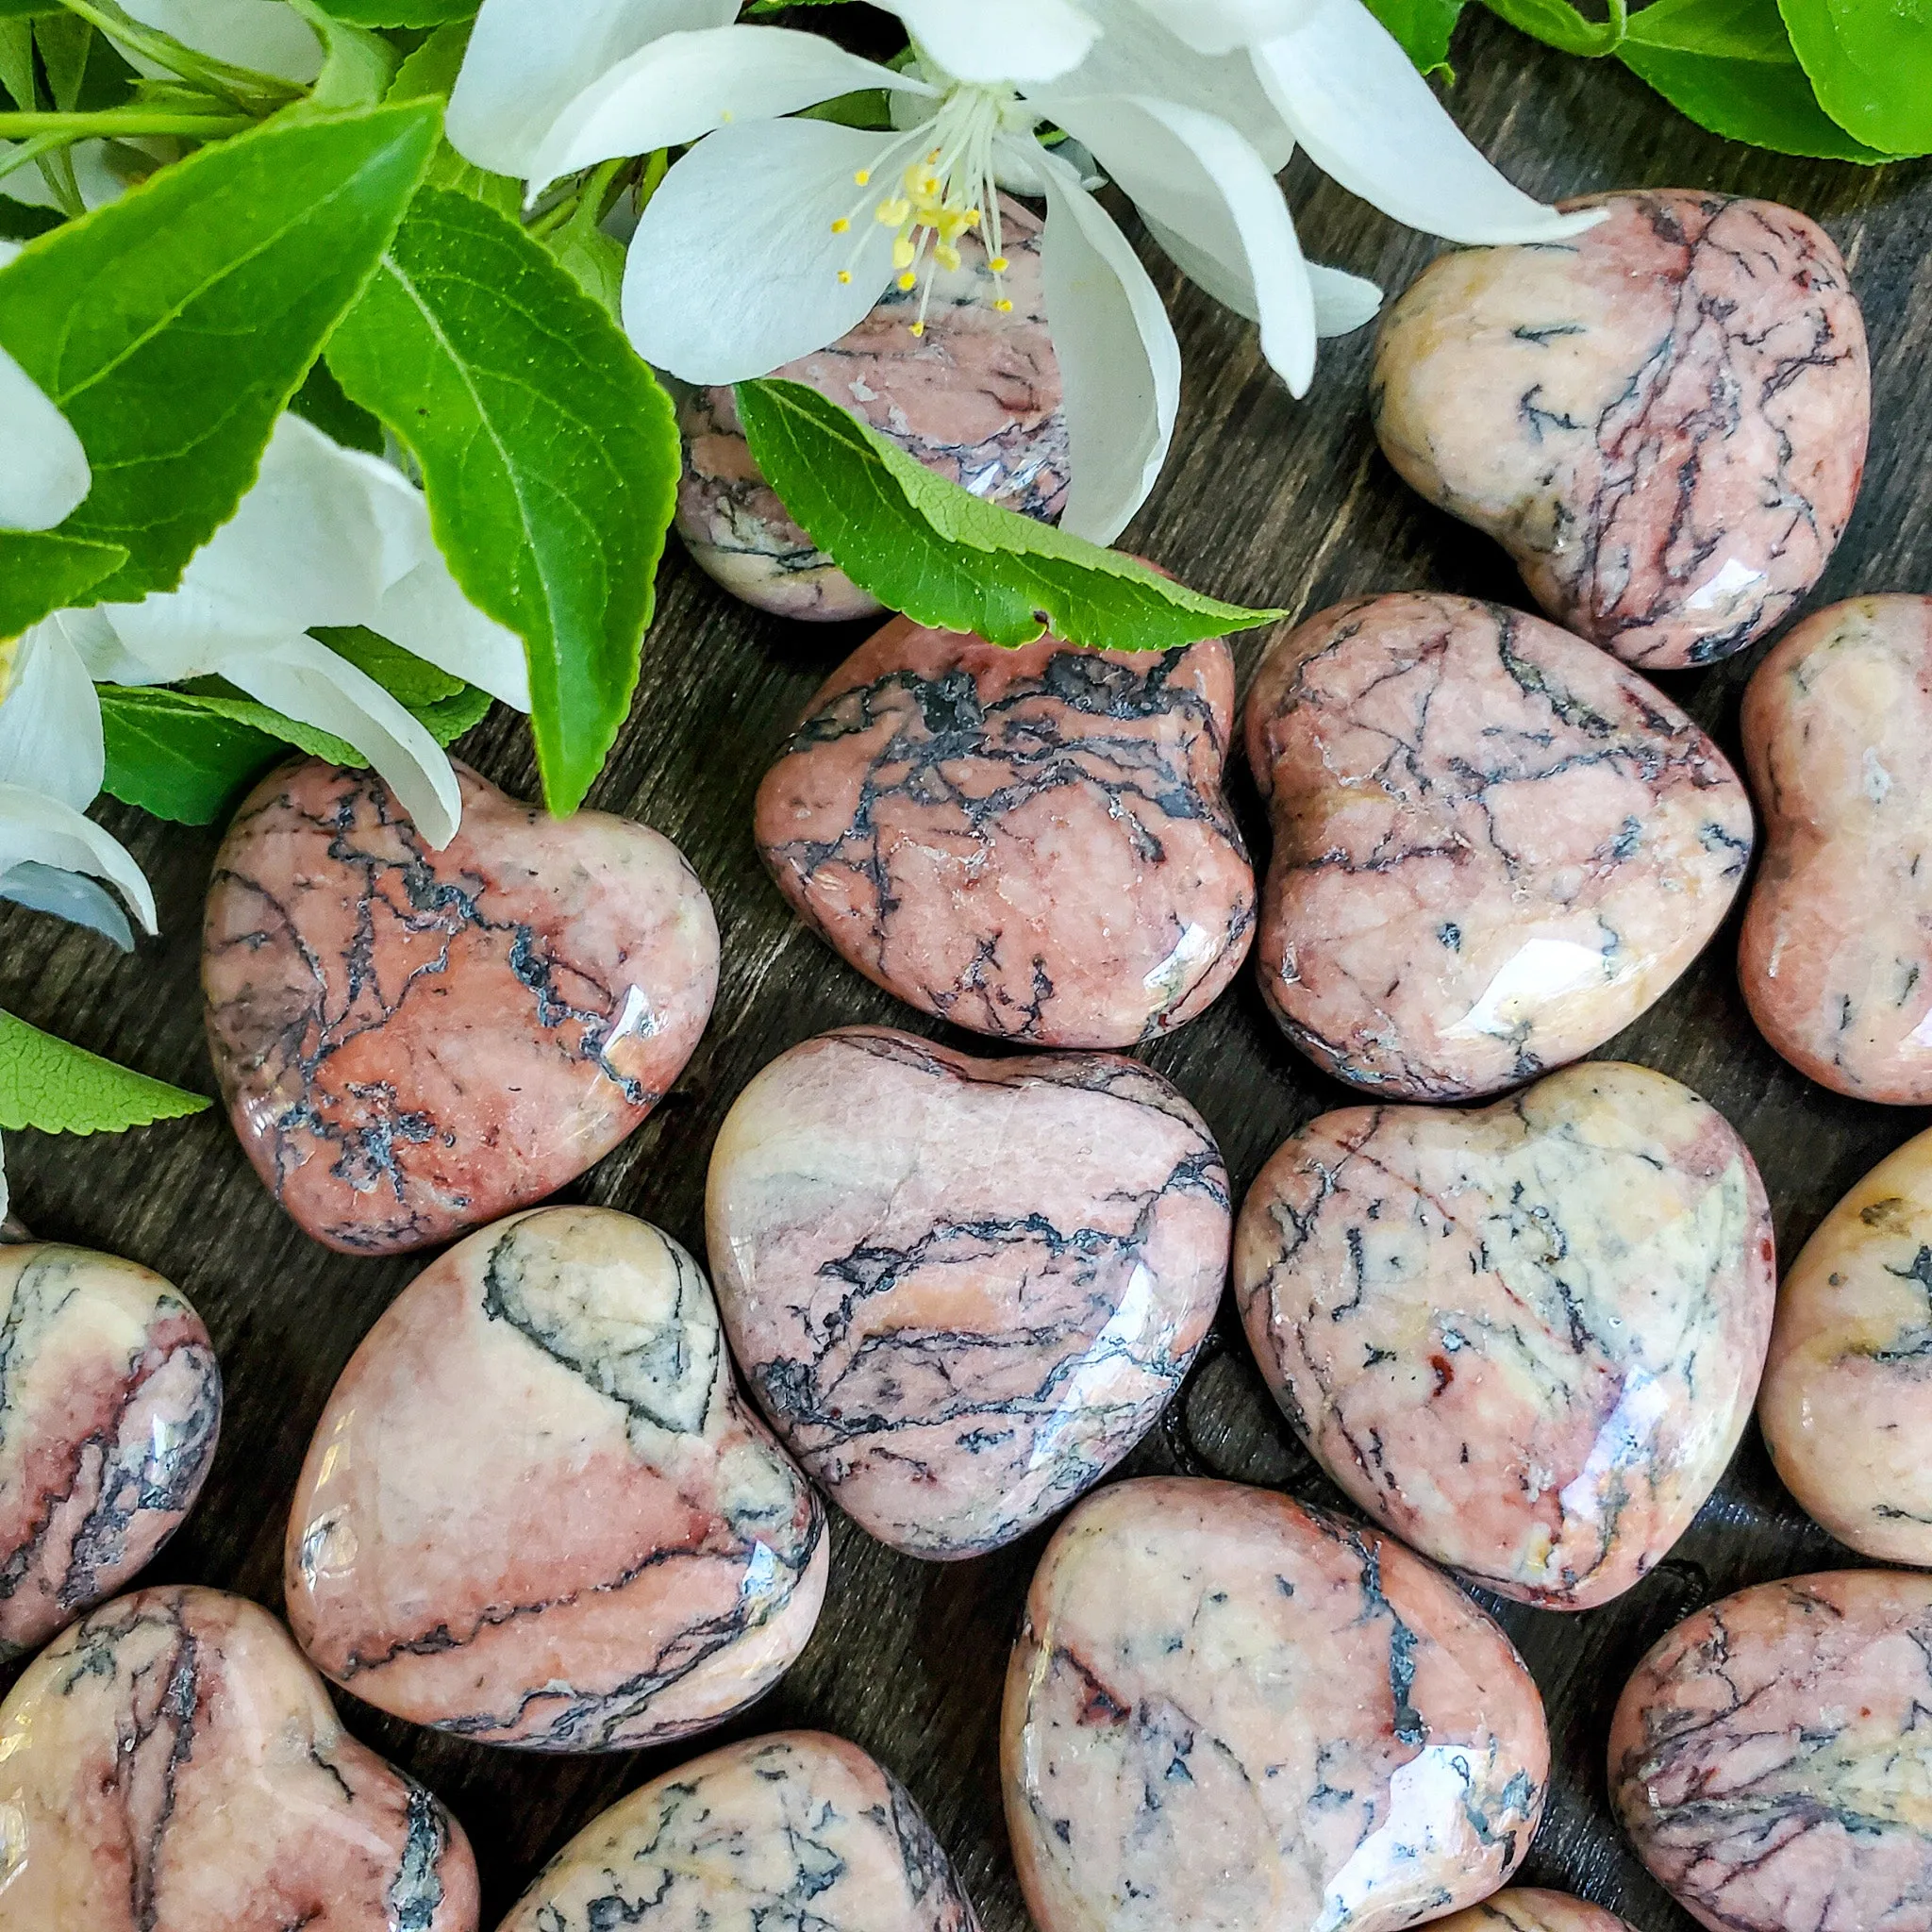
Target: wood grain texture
1269	501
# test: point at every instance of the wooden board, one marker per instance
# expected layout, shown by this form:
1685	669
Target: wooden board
1267	500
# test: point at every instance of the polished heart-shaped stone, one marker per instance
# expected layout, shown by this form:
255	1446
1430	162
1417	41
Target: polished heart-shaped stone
1031	843
535	1512
796	1830
1526	1339
170	1764
1228	1713
1524	1909
1493	845
411	1041
1664	419
963	1290
1836	958
110	1401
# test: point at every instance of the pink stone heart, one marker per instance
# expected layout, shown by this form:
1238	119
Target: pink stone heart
170	1765
413	1041
535	1511
1524	1909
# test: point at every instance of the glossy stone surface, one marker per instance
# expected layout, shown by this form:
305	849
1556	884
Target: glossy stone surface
1836	958
793	1830
170	1764
963	1289
1846	1407
1031	843
1772	1761
1664	419
1526	1339
975	397
1228	1711
1527	1909
110	1401
411	1041
1494	846
535	1511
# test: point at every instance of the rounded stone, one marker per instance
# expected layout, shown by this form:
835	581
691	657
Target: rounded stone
1029	843
1836	957
170	1762
1846	1407
411	1042
1772	1759
1524	1909
796	1830
110	1402
962	1288
974	396
1228	1711
1494	847
1526	1339
1662	419
535	1511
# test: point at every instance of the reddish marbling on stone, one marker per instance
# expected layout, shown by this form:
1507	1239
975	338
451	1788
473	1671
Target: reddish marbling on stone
1525	1340
1031	843
413	1041
535	1511
1846	1407
170	1765
1494	847
975	397
1771	1758
797	1830
1664	419
1527	1909
1836	958
1228	1711
963	1289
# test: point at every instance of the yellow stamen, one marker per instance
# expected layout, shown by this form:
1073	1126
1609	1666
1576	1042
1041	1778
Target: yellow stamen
946	256
1004	304
842	225
846	276
917	328
893	212
999	264
909	280
903	254
863	177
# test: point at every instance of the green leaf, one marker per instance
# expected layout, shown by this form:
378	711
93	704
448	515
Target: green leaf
44	570
44	1083
401	13
220	698
23	10
449	720
595	262
1871	64
1422	27
322	401
549	457
356	65
412	680
923	545
1558	23
430	73
174	325
172	755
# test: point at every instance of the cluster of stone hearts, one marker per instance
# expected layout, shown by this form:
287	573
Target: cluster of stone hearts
1523	1338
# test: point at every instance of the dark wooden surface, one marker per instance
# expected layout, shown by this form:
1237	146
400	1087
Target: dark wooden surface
1269	501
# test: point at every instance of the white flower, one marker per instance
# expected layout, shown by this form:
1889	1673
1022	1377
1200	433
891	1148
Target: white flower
44	470
264	35
773	237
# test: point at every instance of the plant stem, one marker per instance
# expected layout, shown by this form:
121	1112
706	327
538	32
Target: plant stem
112	123
241	85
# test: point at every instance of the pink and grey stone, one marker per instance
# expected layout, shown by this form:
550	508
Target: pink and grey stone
1770	1758
170	1764
411	1042
1527	1339
1494	846
1846	1407
1662	419
1031	843
963	1289
793	1830
1228	1711
110	1401
975	397
535	1511
1836	957
1524	1909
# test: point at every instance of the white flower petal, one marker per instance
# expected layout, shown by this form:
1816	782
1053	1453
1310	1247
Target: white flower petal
42	830
1343	303
99	647
1120	364
68	895
999	39
308	682
95	180
43	472
49	720
261	34
683	86
734	268
528	59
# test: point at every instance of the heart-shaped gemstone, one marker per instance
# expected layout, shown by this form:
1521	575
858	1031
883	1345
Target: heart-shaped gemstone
1524	1909
170	1764
1527	1339
535	1511
963	1289
1493	845
1662	419
1837	954
413	1041
796	1830
1228	1713
110	1401
1031	843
